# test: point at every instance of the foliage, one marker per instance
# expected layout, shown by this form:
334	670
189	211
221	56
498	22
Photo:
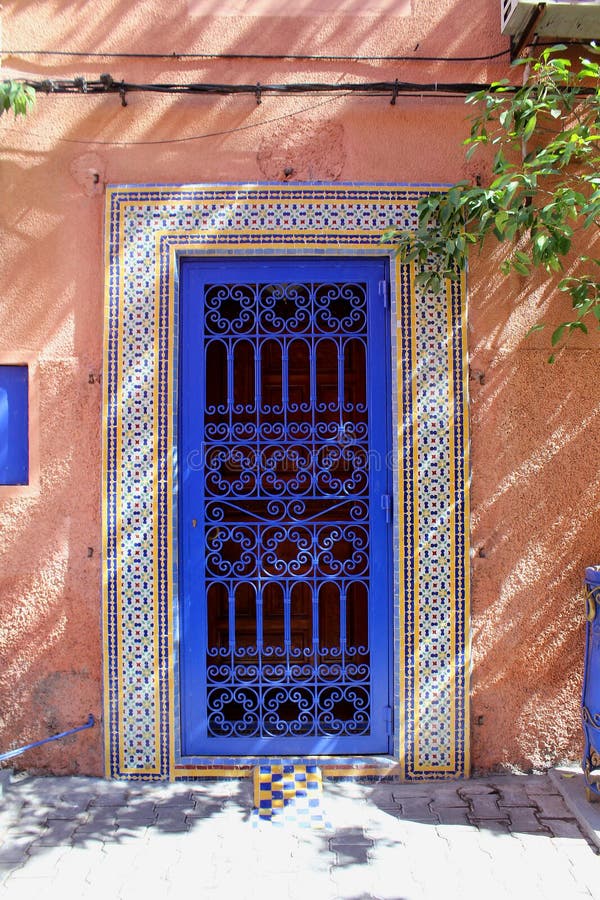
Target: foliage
16	96
545	188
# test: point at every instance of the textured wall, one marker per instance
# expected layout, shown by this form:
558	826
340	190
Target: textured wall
535	485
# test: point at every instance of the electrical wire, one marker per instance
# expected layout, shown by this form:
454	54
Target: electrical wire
196	137
320	57
256	56
106	84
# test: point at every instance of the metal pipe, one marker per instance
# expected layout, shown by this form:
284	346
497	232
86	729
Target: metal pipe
55	737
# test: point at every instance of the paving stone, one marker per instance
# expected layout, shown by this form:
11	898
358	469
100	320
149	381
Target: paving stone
563	828
117	797
349	836
204	879
79	861
176	801
350	850
28	888
4	876
376	852
42	789
100	825
8	817
495	826
67	810
418	789
485	806
349	790
353	881
449	802
166	795
391	876
43	862
552	806
540	784
171	819
319	887
474	788
15	851
223	790
383	797
418	810
458	839
553	870
524	820
389	829
58	831
128	817
514	796
7	868
205	808
29	823
452	815
5	779
447	795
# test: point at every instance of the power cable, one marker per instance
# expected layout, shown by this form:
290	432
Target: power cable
321	57
106	84
196	137
255	56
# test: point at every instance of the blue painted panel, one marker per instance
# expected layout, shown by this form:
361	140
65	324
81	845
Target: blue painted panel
591	682
285	487
14	425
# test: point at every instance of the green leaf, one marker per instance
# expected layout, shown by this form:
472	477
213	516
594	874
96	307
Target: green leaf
534	328
545	196
501	219
529	127
581	326
16	96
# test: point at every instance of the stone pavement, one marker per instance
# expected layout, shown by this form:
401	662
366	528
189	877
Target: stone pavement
506	836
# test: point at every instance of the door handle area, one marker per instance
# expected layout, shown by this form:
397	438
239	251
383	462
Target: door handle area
386	505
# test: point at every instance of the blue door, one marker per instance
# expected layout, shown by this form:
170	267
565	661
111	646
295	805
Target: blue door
284	514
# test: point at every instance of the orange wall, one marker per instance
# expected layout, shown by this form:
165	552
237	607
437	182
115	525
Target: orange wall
535	481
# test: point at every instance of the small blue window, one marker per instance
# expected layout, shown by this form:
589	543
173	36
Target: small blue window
14	425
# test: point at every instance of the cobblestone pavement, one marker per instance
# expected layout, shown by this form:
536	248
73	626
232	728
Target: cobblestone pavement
510	836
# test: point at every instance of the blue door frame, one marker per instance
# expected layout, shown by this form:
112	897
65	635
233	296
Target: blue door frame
284	506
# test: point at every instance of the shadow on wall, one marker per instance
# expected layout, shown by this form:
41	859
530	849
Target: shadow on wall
55	165
535	501
535	488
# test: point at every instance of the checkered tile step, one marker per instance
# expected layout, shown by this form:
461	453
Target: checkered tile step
288	793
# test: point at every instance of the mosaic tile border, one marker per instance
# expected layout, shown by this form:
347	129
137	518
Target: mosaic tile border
147	229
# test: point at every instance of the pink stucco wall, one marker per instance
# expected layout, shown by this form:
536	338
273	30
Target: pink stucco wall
535	488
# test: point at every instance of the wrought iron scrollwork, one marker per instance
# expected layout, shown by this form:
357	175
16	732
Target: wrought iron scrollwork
286	512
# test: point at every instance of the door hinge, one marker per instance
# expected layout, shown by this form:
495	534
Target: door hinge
389	720
386	505
383	292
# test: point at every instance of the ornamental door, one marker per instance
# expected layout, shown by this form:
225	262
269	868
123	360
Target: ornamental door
284	507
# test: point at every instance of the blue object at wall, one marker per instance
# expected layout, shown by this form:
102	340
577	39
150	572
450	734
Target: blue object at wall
285	520
14	425
591	685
